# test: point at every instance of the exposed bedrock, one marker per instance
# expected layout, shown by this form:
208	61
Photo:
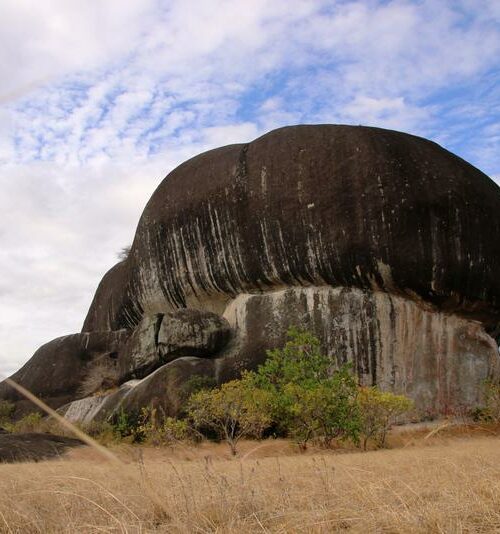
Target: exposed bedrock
384	244
438	359
166	389
76	366
57	369
313	205
163	337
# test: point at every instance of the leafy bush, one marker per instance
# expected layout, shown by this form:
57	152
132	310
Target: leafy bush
490	411
32	422
6	411
308	399
125	424
326	412
161	431
189	387
492	400
234	410
379	411
102	431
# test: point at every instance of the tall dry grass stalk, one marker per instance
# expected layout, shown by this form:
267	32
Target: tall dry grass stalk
441	481
427	487
130	478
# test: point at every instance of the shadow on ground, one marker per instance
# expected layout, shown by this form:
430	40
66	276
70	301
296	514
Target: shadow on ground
33	447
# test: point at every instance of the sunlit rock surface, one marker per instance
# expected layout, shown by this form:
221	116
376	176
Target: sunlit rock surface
385	245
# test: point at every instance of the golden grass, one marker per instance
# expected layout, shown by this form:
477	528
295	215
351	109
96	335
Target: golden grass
449	482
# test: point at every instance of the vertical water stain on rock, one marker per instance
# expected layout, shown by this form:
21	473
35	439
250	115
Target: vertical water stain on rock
383	244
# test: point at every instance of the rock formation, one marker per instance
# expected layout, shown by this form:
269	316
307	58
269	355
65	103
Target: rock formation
383	244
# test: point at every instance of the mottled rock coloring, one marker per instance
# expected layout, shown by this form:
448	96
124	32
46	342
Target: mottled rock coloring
383	244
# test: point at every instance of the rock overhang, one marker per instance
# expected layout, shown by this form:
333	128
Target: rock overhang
383	244
343	206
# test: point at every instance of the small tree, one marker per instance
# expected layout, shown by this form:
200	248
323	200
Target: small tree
157	430
326	412
234	410
308	399
299	363
379	411
490	411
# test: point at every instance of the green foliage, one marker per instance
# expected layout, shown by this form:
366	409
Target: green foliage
490	412
174	430
233	410
124	424
379	411
6	411
300	361
296	390
193	385
492	399
102	431
326	412
32	422
155	430
308	399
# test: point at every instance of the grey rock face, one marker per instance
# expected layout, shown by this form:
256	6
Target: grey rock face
97	408
383	244
318	205
166	389
163	337
190	332
58	368
438	359
33	447
140	355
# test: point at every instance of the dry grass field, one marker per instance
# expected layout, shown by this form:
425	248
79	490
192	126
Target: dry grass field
447	482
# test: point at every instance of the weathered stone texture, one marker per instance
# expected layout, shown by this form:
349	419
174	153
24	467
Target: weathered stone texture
165	389
163	337
57	369
192	333
313	205
384	244
438	359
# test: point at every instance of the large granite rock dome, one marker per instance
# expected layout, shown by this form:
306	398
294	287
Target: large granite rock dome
331	205
383	244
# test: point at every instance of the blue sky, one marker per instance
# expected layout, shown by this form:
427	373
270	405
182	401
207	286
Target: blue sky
101	99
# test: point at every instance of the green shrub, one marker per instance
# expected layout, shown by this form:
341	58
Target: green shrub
234	410
379	411
161	431
489	412
125	424
492	400
308	398
32	422
6	411
189	387
326	412
102	431
480	414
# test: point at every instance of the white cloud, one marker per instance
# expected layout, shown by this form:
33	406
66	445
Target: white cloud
100	100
